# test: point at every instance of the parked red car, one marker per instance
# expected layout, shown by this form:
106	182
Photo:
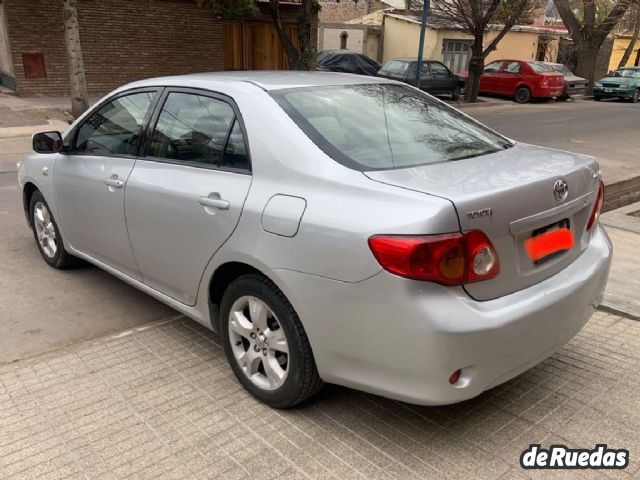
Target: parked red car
520	80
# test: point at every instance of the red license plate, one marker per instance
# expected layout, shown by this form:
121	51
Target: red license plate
549	241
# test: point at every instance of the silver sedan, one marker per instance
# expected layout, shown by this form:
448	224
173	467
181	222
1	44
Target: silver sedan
330	227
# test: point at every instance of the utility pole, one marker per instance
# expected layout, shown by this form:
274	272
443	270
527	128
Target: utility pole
423	28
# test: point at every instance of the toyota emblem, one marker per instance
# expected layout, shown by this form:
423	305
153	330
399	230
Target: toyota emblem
560	190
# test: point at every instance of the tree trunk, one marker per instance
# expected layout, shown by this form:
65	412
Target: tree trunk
77	80
306	58
586	57
476	67
637	62
632	43
289	48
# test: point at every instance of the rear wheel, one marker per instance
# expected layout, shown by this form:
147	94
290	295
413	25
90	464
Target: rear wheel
522	95
636	96
563	98
597	98
265	343
47	234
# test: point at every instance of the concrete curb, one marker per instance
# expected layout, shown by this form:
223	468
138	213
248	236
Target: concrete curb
622	193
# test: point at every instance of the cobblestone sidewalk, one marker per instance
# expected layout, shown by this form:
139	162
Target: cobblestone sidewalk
161	402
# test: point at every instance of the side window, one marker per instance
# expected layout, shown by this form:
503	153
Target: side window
425	73
512	67
192	128
492	67
235	153
440	71
114	128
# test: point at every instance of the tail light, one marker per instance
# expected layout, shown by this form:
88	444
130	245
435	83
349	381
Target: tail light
448	259
545	82
596	207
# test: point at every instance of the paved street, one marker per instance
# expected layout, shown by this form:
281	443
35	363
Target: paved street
43	308
162	403
607	130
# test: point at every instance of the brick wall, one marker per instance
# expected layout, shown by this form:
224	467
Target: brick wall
122	41
345	10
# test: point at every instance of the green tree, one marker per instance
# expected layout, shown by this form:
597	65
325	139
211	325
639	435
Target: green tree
301	57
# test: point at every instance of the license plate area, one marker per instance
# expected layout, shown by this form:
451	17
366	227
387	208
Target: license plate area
549	242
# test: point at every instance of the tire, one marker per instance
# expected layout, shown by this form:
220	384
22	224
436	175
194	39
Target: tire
261	314
47	234
455	93
597	99
522	95
562	98
636	96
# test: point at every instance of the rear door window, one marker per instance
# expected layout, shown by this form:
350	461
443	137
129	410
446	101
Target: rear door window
512	67
200	130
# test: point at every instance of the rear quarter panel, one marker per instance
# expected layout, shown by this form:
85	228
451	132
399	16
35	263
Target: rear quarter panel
343	207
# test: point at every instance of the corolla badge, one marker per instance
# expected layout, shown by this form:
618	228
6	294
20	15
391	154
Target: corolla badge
560	190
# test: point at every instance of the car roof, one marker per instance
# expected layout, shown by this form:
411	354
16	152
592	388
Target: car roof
344	51
266	80
412	59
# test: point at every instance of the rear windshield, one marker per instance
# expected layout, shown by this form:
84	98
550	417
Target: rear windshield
540	67
561	69
385	126
395	67
629	73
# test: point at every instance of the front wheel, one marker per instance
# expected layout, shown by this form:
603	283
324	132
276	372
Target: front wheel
47	234
265	343
636	96
523	95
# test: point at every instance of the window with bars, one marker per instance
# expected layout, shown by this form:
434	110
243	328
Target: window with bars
455	54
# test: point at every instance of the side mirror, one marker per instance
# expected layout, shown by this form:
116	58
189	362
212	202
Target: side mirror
47	142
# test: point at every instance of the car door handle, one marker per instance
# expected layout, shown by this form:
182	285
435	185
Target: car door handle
114	182
213	202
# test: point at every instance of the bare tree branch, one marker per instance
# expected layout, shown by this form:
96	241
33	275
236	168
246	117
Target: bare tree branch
511	21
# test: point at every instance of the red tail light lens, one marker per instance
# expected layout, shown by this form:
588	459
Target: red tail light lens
596	207
449	259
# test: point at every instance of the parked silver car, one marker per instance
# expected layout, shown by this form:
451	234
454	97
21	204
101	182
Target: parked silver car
331	227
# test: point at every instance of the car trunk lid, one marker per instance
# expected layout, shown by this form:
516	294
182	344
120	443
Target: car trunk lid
509	195
554	79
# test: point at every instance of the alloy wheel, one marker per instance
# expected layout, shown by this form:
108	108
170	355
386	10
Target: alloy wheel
258	343
45	230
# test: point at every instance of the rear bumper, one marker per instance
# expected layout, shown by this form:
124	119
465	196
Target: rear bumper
402	339
568	91
546	92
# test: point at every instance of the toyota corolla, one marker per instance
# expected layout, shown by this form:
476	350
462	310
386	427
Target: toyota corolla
330	227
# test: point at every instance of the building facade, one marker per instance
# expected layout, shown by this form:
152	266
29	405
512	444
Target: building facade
127	40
